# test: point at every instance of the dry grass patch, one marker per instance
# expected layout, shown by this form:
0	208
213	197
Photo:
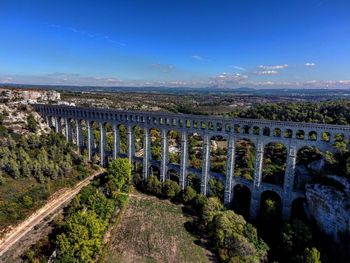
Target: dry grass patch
152	230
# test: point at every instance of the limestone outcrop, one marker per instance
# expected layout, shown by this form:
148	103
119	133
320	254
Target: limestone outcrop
328	203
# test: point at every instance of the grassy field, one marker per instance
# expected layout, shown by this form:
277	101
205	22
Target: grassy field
153	230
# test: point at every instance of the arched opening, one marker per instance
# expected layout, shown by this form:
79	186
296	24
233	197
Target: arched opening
219	126
84	137
270	205
195	151
51	123
339	137
298	210
245	158
277	132
155	144
256	130
174	144
266	131
95	158
288	133
300	134
312	136
194	181
241	200
154	171
109	139
73	126
246	129
62	121
84	134
325	136
138	137
218	154
173	175
122	139
274	163
309	164
137	172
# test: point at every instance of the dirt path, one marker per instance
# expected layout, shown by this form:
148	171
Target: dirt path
51	206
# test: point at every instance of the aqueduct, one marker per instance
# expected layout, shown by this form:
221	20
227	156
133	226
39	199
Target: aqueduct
293	135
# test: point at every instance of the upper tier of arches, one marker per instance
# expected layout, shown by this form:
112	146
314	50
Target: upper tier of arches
214	125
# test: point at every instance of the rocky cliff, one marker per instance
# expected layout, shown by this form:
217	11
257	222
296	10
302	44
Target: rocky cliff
328	203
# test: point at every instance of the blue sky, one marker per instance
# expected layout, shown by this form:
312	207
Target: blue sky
250	43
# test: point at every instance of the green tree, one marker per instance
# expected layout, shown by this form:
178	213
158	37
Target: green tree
119	173
235	240
27	201
153	185
32	123
189	194
312	255
211	208
14	169
82	237
171	188
216	188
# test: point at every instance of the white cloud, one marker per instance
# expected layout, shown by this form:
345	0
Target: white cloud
310	64
268	72
265	67
199	58
239	68
344	82
225	79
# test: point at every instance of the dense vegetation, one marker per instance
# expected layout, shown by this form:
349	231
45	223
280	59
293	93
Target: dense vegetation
79	235
330	112
32	167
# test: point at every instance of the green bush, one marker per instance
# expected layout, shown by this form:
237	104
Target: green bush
121	200
32	123
171	189
153	185
189	195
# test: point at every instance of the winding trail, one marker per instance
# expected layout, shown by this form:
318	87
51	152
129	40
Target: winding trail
51	206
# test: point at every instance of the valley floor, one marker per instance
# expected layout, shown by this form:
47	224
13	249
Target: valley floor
154	230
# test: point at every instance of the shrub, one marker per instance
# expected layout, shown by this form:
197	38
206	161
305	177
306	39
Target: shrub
198	203
189	194
235	240
153	185
171	188
211	208
32	123
121	200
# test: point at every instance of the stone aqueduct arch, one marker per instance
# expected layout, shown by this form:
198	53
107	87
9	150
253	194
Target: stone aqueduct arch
259	132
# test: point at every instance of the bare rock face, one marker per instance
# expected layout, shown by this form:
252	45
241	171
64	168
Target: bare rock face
328	203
